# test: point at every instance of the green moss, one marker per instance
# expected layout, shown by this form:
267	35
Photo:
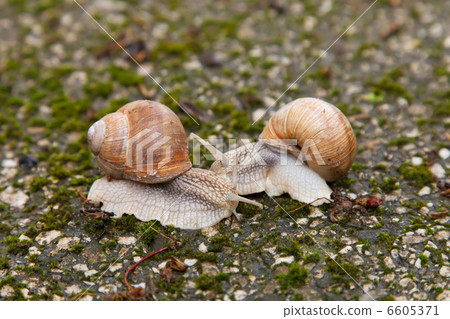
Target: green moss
417	205
294	249
59	172
210	257
389	84
382	121
223	109
389	185
380	167
440	103
14	101
102	89
374	97
126	224
296	277
4	262
56	219
267	64
424	260
417	175
77	248
346	182
387	298
385	239
111	244
312	258
400	141
17	184
357	167
207	282
16	246
341	270
218	242
147	234
37	121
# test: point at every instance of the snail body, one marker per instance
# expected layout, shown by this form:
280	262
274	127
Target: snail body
196	199
143	151
304	144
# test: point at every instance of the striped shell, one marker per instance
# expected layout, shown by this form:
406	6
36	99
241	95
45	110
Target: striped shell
143	141
323	135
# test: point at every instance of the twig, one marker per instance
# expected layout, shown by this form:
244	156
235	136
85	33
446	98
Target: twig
298	208
130	269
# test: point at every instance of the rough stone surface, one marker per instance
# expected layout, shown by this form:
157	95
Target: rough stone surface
14	197
47	237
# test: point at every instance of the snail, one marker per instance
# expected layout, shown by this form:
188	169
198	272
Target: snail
142	149
305	144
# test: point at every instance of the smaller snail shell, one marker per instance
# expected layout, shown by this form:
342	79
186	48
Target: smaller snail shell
143	141
321	129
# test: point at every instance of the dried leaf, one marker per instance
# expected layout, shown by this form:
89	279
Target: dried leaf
438	214
135	294
177	264
167	274
147	93
369	201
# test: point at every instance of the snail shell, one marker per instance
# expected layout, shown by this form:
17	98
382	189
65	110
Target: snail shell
143	141
324	135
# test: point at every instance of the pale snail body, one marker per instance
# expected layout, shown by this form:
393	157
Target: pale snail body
159	185
262	166
196	199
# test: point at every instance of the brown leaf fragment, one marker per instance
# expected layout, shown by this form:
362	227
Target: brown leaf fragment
438	214
177	264
209	59
333	217
447	135
146	92
390	31
133	295
278	7
150	285
369	201
167	274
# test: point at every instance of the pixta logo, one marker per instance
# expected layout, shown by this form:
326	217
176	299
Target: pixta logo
147	147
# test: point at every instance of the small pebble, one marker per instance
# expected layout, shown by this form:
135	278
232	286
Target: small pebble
444	153
9	163
424	211
14	197
416	161
47	237
424	191
190	262
202	248
279	260
437	170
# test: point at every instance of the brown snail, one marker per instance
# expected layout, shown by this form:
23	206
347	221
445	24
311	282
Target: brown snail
142	149
304	144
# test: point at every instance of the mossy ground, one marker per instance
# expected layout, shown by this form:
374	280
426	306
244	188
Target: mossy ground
388	74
